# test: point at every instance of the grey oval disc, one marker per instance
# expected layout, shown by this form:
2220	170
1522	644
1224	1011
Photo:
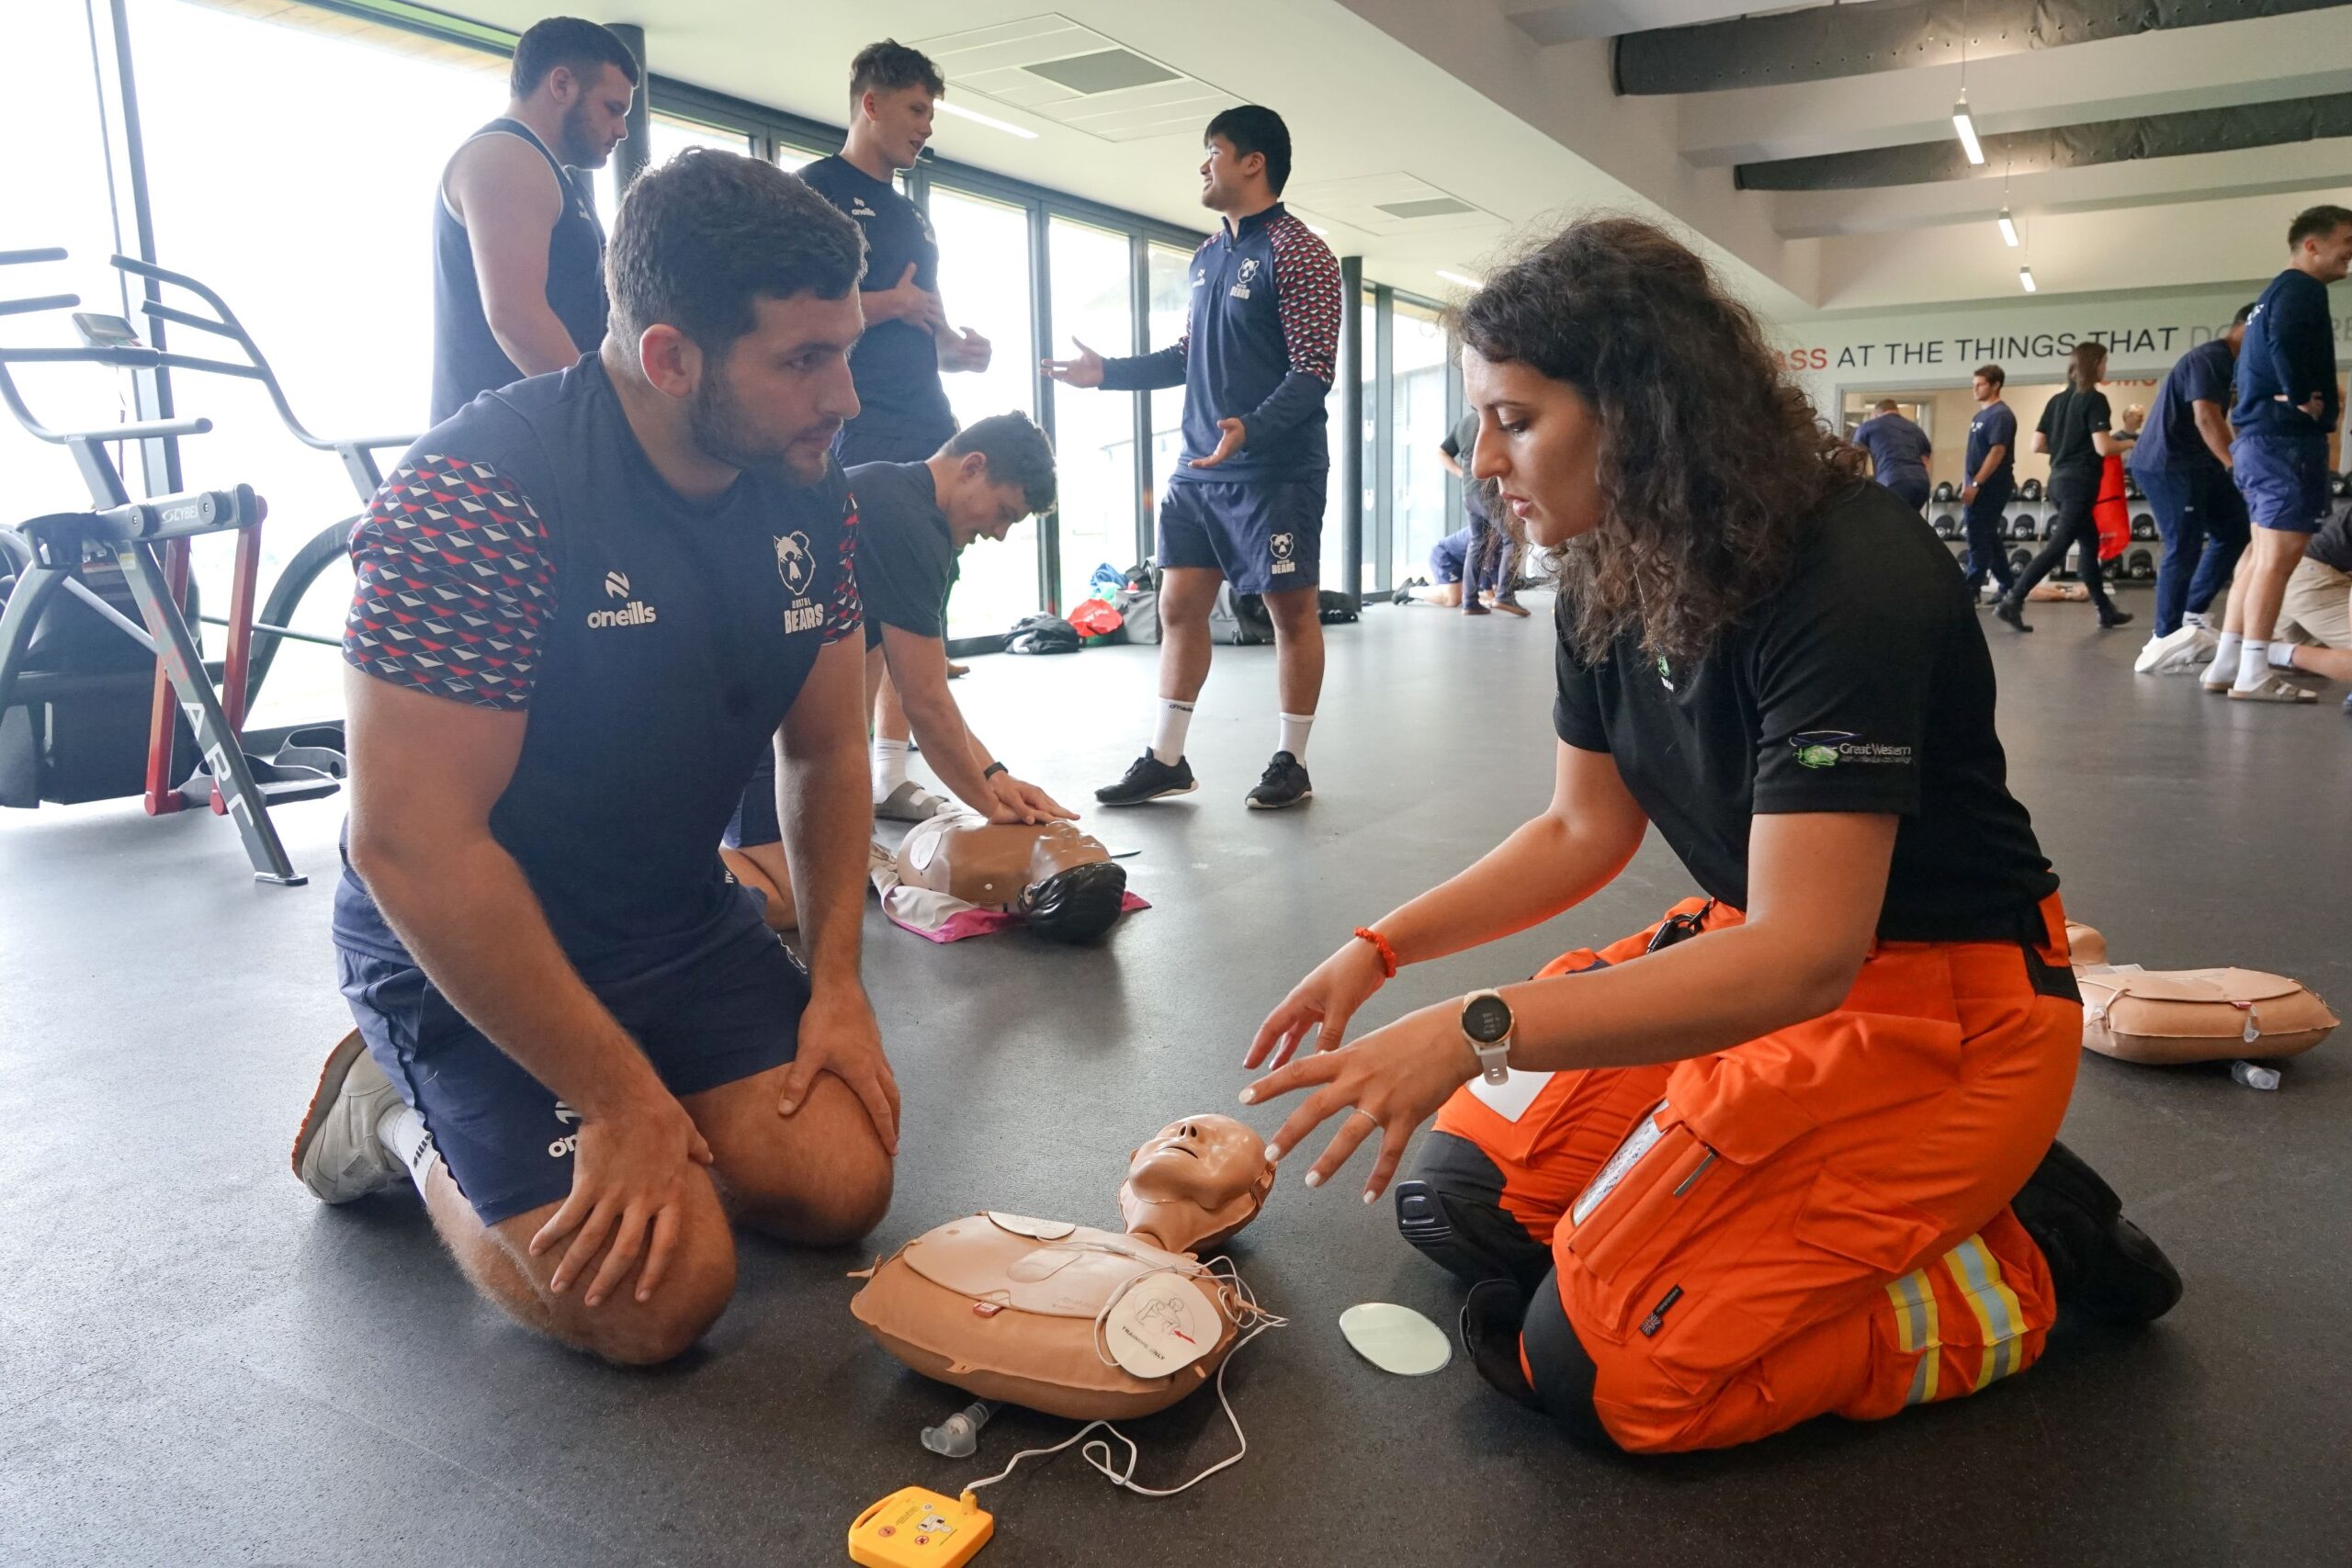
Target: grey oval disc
1397	1338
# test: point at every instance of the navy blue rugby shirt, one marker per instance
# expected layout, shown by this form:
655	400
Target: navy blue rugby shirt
525	555
2288	355
896	363
1259	343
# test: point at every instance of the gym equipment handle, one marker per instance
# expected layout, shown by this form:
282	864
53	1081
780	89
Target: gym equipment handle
45	252
40	302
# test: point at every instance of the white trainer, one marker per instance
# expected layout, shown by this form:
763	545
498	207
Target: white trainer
337	1153
2183	653
910	803
2275	688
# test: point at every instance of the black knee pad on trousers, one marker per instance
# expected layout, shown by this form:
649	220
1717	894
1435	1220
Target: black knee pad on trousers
1563	1374
1451	1210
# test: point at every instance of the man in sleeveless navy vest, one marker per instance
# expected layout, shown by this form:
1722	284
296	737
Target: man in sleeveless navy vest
518	255
584	605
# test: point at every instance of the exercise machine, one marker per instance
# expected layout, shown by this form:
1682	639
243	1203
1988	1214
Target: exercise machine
71	708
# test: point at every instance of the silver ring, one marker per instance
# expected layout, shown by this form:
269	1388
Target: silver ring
1360	1111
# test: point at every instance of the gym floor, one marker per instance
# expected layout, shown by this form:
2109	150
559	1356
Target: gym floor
199	1364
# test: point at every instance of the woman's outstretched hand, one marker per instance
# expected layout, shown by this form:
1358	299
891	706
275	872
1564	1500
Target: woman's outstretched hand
1390	1081
1327	997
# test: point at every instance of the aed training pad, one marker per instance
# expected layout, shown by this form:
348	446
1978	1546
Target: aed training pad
1396	1338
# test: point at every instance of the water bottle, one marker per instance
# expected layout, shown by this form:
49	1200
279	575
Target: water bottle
2251	1074
958	1437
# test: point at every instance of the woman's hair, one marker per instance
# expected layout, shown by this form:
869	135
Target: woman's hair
2084	365
1708	459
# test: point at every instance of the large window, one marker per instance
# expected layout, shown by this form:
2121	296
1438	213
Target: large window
984	282
1094	431
670	136
1422	509
1169	272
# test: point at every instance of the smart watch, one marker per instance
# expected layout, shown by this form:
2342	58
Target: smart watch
1487	1026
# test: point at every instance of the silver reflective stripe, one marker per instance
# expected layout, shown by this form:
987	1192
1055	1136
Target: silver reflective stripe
1639	1142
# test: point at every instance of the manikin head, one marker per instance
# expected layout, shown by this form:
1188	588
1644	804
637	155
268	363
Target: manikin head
735	299
1248	162
2235	336
991	474
1195	1183
1062	881
577	78
2134	416
893	91
2318	242
1990	379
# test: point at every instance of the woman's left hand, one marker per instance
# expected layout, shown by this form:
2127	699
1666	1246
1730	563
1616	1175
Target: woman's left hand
1392	1079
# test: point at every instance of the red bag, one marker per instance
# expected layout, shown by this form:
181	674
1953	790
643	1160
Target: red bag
2114	518
1096	618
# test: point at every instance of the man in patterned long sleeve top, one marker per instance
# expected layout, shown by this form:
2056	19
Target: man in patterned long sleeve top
1245	504
585	602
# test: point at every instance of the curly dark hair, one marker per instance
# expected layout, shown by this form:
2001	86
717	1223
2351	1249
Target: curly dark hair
1709	458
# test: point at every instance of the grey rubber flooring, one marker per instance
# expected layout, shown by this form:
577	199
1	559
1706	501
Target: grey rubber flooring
199	1365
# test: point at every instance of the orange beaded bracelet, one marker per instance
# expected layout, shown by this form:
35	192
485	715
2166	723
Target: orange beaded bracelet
1380	945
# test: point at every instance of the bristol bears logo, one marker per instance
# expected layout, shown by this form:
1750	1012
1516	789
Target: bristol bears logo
794	563
1283	546
1243	278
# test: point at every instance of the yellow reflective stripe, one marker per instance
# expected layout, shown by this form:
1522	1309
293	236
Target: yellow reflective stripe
1917	1324
1998	1312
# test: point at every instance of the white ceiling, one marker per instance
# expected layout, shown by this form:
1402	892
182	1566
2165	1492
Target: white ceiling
1460	97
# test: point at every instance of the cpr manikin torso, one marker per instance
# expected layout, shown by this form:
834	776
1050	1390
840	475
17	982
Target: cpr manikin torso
1063	880
1012	1308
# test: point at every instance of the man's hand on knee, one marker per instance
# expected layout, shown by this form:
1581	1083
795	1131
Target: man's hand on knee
631	1177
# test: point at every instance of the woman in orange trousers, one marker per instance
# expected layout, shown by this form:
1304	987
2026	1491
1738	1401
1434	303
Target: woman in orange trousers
1791	1150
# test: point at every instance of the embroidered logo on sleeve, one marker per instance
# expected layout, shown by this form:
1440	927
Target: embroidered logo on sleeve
1828	748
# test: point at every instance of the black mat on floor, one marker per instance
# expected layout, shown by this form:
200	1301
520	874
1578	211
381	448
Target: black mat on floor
199	1364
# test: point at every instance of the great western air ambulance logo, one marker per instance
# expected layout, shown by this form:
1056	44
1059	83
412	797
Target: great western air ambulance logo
1827	748
794	563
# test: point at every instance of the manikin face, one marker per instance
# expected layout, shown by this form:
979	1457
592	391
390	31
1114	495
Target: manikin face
594	117
1207	1160
1540	442
783	391
1985	389
897	119
1225	176
2328	257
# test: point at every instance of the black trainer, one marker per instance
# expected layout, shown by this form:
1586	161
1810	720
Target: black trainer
1148	779
2006	608
2101	1262
1285	783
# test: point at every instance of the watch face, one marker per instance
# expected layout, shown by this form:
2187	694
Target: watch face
1485	1019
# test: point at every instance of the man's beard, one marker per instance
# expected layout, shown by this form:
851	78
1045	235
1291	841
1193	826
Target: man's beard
725	433
578	147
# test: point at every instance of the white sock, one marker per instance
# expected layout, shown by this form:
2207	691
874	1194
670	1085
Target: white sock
401	1130
1168	736
889	767
1294	729
2282	656
2225	653
2191	618
2253	664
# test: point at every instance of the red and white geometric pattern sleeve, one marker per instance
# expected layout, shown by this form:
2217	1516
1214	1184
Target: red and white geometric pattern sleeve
847	612
455	584
1307	286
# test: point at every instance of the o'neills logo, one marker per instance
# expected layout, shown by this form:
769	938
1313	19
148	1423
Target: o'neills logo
636	613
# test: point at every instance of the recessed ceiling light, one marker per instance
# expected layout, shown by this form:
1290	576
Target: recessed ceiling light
960	112
1965	123
1462	279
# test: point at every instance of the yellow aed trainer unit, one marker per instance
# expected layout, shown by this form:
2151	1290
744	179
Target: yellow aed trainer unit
917	1527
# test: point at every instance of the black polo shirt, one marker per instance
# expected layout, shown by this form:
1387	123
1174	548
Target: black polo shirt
1861	685
525	555
2069	423
896	363
906	555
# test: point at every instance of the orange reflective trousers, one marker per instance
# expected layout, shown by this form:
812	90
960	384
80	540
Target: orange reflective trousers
1813	1221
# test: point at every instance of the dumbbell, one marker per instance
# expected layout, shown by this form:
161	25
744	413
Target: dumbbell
1946	525
2143	526
2339	485
2021	559
2021	526
2131	487
2142	565
1944	494
2029	491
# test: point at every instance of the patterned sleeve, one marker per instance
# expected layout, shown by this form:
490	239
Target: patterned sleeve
1306	285
846	613
456	587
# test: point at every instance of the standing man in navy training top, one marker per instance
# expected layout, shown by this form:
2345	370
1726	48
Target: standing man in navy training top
1899	451
902	409
518	255
584	605
1990	478
2287	405
2182	461
1245	504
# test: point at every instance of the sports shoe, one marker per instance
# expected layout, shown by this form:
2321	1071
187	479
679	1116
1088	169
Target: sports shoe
1148	778
1471	606
2007	609
2275	688
337	1153
1512	607
1283	783
2182	653
909	802
2102	1263
2109	619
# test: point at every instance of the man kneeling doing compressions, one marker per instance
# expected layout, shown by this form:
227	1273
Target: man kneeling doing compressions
586	604
1790	1150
